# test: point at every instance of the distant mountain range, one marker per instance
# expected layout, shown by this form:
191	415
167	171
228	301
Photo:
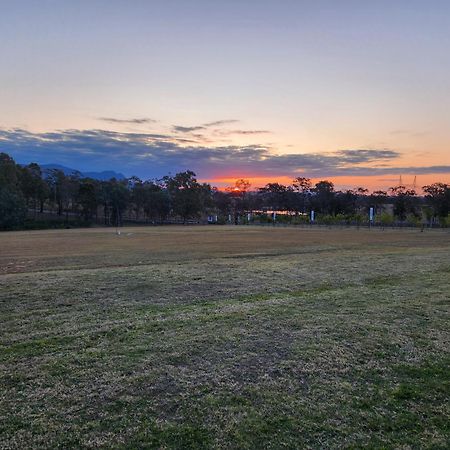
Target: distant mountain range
103	176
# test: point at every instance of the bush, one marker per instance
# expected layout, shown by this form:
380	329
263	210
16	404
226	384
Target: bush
359	219
283	218
300	220
445	221
222	220
327	219
262	218
414	220
386	219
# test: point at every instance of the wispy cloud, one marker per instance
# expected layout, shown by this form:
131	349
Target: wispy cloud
153	155
219	123
241	132
135	121
204	126
181	129
409	133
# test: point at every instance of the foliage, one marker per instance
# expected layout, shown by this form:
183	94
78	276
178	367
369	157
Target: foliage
437	196
187	196
386	219
182	197
445	221
300	219
404	202
12	202
8	171
12	208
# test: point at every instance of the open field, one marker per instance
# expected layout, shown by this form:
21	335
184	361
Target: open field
225	337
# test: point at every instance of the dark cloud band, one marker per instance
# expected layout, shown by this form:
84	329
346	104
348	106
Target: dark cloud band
153	155
137	121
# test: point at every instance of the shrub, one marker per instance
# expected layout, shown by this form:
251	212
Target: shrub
300	220
386	219
445	221
413	220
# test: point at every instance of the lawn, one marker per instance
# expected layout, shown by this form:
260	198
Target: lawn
225	337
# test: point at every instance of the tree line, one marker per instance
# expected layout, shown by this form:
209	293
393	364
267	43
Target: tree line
31	197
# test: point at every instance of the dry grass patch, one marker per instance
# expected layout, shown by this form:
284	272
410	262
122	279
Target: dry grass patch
225	337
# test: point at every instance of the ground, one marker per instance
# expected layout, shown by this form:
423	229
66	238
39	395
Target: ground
225	337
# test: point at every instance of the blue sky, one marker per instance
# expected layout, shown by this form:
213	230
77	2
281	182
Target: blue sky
290	87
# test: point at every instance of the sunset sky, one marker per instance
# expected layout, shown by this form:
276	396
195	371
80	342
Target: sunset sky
357	92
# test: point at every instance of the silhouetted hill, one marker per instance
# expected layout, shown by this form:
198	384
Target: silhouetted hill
105	175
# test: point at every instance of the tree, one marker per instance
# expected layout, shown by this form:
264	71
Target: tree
156	202
33	187
377	200
116	197
324	197
13	209
278	196
65	190
239	199
222	201
303	186
137	188
187	195
347	202
404	203
437	195
88	197
8	172
242	185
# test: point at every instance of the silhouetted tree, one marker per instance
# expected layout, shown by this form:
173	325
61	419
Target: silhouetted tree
116	196
240	201
13	208
323	199
156	201
88	197
187	195
404	201
437	195
303	186
34	188
278	196
378	199
12	202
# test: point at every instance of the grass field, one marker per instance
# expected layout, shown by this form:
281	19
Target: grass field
225	337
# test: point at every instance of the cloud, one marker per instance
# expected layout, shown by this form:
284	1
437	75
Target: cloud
181	129
242	132
218	123
409	133
150	155
363	155
136	121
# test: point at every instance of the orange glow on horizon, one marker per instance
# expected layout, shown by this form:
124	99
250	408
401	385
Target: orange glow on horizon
373	183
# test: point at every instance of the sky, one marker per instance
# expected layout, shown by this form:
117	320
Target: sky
357	92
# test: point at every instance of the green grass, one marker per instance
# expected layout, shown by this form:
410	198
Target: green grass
346	347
